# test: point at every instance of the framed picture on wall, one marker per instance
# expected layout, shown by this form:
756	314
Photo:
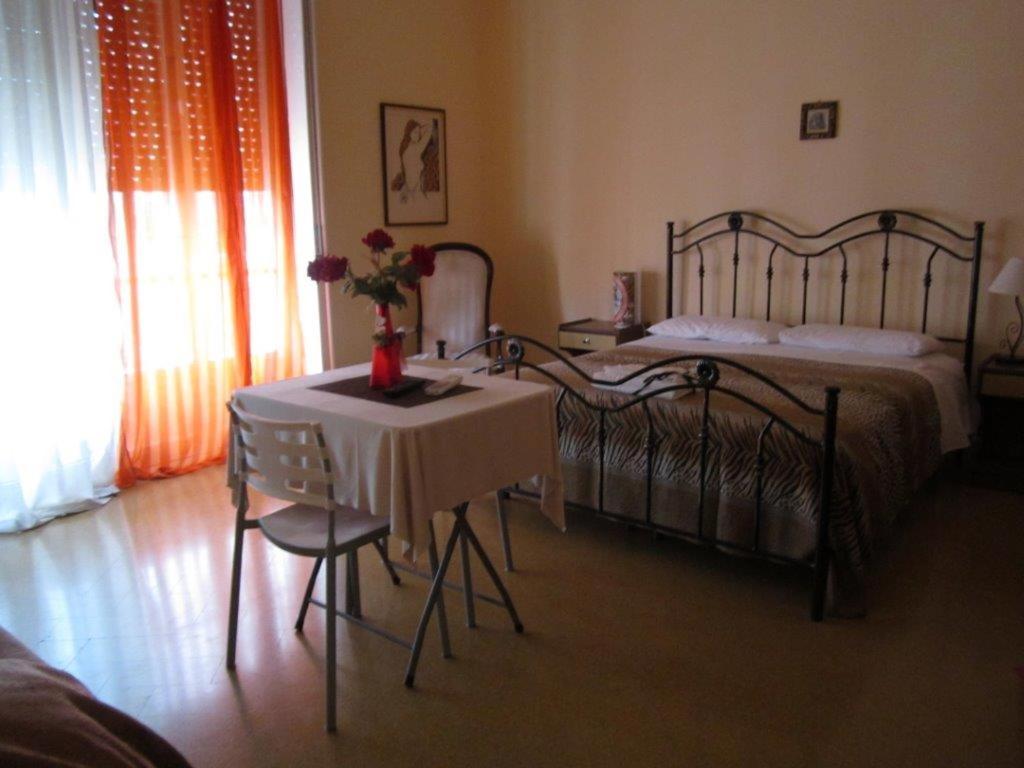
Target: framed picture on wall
414	159
818	120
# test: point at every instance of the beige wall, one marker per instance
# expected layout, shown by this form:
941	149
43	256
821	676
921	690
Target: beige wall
577	129
430	54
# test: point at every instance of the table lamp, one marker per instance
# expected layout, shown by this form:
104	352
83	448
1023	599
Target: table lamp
1010	282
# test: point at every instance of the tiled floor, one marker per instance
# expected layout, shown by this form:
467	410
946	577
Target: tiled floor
637	652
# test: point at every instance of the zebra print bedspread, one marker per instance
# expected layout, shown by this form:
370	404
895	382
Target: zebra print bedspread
888	445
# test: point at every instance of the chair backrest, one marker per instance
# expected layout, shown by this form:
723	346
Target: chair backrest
455	302
284	459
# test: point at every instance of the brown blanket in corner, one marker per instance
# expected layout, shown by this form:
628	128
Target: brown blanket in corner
888	445
48	718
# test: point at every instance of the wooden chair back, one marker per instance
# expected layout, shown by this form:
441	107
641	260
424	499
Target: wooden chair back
455	302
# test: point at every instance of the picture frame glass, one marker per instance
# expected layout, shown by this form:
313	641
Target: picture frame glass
413	147
818	120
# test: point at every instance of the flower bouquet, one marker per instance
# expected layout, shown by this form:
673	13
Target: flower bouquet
383	284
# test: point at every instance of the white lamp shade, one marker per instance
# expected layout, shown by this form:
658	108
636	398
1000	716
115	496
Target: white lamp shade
1010	279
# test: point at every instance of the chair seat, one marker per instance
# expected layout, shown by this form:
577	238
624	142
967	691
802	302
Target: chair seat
302	529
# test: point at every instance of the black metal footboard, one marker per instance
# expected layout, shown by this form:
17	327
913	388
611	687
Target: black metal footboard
705	380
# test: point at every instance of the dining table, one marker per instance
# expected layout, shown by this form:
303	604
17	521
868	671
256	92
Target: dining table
410	456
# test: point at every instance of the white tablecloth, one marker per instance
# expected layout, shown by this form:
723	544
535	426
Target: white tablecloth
408	463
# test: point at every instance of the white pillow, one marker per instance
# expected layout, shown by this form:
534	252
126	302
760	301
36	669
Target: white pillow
733	329
852	338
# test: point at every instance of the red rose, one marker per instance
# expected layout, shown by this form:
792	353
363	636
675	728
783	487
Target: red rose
327	268
423	260
378	241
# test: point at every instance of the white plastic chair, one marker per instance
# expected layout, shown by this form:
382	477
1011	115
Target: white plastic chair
289	461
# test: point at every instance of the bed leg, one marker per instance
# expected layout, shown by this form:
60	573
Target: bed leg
820	591
822	553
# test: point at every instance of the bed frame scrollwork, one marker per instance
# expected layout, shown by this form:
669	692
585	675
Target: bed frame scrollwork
886	226
519	353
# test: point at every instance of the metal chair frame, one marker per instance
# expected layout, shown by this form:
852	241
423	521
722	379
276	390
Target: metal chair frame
297	468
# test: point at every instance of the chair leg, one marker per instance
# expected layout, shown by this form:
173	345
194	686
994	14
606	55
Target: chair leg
347	599
506	545
332	621
442	615
353	602
382	550
309	594
236	579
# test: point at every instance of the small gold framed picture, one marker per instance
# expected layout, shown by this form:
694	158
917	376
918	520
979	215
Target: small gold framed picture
818	120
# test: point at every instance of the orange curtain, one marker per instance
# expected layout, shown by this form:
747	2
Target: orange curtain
195	122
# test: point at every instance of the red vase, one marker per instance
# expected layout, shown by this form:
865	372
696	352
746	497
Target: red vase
386	364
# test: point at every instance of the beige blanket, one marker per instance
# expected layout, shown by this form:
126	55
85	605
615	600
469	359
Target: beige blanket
888	445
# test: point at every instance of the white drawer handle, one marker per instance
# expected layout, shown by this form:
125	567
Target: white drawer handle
586	339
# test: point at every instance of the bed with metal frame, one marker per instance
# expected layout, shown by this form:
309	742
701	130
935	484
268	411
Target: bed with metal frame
520	353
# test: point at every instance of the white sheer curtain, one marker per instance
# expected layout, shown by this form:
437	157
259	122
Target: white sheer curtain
61	379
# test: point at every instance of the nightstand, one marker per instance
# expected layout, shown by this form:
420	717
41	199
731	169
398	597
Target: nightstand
1001	394
582	336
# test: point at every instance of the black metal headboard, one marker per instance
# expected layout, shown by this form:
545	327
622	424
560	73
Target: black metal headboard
885	225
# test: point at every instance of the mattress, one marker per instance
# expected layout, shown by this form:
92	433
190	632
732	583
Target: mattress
958	411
